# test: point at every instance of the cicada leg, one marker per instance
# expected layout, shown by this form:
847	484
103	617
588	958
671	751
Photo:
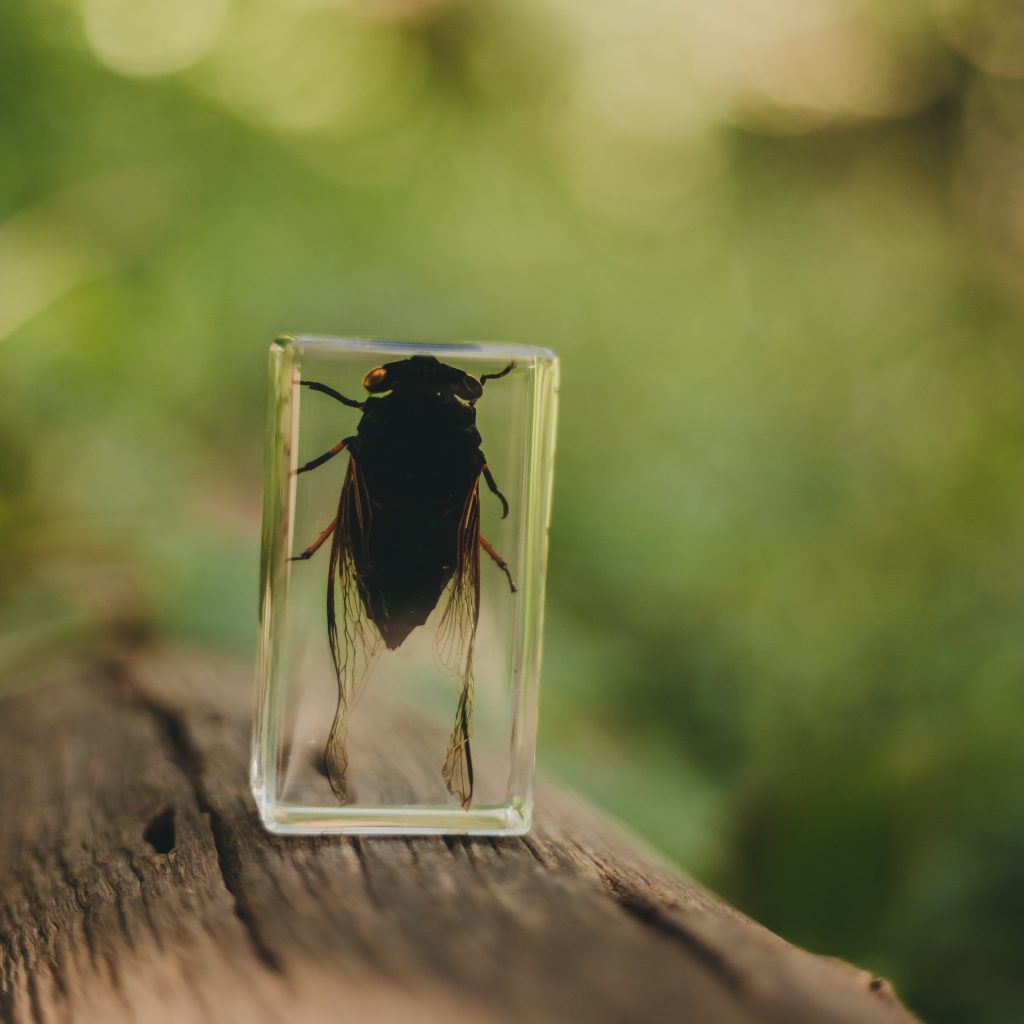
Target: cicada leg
498	560
312	549
321	459
493	487
325	389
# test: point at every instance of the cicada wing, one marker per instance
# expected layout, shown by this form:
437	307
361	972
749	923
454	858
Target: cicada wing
456	637
356	644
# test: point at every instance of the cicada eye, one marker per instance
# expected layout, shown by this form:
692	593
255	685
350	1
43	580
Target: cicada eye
469	388
374	380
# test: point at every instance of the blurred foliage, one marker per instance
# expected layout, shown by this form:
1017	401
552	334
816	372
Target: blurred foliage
780	250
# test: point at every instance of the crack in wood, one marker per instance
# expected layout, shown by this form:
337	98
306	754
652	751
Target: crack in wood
34	1002
7	972
6	1003
83	906
33	942
534	851
651	915
147	912
356	844
187	756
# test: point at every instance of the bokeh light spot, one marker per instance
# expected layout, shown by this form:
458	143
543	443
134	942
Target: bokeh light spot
797	65
301	71
147	37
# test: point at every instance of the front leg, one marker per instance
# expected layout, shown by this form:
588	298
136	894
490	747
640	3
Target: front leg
498	560
325	389
329	454
315	546
493	486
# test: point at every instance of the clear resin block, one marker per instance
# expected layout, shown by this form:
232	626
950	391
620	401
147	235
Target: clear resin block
408	490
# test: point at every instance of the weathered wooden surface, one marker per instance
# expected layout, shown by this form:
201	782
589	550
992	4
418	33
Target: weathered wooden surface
136	884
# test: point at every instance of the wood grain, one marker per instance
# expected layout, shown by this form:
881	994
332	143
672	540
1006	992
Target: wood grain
136	884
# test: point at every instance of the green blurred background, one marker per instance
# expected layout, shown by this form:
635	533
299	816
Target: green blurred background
779	247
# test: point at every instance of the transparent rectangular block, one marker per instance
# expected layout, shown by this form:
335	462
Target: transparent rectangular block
400	610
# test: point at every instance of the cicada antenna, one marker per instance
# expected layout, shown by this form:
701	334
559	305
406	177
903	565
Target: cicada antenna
494	376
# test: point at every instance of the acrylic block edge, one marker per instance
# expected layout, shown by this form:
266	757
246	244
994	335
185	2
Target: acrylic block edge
510	820
499	821
497	349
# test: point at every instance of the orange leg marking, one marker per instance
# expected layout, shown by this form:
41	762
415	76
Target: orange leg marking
321	459
311	550
499	561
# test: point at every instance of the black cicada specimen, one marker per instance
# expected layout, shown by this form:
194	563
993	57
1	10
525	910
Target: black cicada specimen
407	532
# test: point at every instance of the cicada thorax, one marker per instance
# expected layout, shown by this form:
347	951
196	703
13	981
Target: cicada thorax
419	456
